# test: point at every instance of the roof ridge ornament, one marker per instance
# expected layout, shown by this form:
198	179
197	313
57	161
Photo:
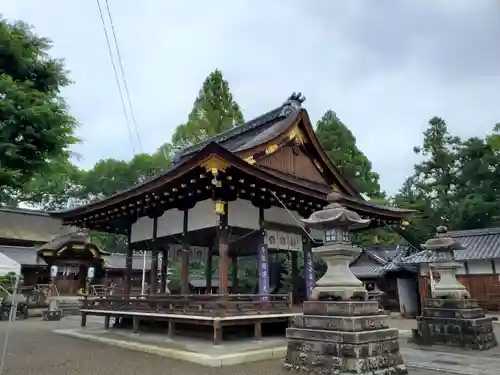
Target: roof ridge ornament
292	103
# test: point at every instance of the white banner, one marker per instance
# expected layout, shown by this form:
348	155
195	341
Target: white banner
272	239
295	242
283	241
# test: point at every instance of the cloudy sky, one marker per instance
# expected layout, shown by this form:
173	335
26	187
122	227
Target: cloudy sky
385	67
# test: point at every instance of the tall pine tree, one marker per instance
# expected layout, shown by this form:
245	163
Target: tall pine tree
214	111
340	145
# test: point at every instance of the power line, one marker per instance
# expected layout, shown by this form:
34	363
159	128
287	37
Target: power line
117	79
120	63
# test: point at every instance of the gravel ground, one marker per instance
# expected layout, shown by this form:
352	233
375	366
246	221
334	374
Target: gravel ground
34	349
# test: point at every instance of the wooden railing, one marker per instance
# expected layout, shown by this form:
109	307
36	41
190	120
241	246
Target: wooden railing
100	290
214	305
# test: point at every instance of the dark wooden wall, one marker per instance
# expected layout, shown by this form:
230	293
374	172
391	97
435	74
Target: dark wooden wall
484	288
292	160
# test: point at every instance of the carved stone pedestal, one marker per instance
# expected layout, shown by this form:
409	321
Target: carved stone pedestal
455	322
347	337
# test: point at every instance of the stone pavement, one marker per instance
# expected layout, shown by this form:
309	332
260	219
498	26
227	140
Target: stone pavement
35	349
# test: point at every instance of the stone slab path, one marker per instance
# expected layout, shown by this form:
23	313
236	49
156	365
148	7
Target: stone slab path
461	364
35	350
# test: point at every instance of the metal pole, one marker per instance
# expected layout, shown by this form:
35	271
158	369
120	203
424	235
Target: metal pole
431	281
13	310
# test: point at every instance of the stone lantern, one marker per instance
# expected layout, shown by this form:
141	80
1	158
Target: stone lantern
450	317
341	331
442	249
337	252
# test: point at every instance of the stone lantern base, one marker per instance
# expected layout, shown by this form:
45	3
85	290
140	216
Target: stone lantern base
347	337
454	322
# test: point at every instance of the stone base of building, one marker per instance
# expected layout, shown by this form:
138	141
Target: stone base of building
454	322
52	315
348	337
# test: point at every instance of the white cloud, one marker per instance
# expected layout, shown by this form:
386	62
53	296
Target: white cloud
384	68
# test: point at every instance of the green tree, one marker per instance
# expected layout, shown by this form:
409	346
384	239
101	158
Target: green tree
431	190
52	188
436	175
35	125
340	145
477	185
110	175
214	111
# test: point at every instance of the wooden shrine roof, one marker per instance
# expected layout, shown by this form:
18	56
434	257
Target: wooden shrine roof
25	227
254	138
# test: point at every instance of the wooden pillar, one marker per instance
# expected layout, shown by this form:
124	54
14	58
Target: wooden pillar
164	269
128	264
234	273
295	276
208	271
223	241
154	258
185	257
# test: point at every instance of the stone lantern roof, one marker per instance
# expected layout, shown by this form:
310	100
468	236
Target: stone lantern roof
334	215
440	248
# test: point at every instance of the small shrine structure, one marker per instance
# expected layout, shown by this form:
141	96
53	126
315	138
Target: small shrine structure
341	330
450	316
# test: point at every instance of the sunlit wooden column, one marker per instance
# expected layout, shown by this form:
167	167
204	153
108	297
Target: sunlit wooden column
234	273
164	269
223	241
154	259
128	264
208	271
185	257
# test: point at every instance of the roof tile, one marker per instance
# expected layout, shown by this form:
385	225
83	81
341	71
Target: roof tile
479	244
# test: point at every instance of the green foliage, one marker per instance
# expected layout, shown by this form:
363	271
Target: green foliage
340	145
111	242
457	182
8	284
110	175
35	126
214	111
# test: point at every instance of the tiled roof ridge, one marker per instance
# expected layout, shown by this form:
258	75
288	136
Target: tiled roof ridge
474	232
373	252
291	105
13	247
27	211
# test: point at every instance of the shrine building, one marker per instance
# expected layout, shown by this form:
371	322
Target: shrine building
239	194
